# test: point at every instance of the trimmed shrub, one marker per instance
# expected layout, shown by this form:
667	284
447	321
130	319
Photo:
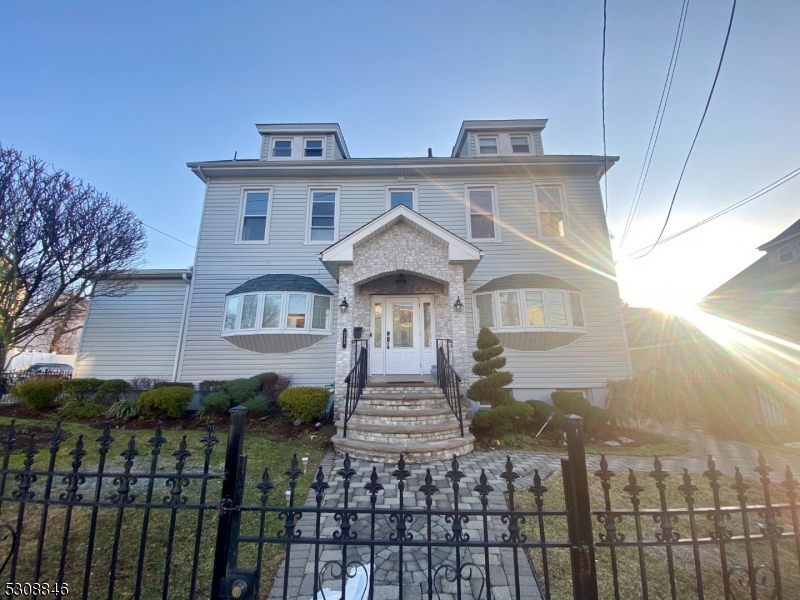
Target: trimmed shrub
81	389
39	394
542	410
572	403
123	409
142	383
511	417
216	403
164	384
209	386
261	406
241	390
305	403
113	390
81	409
170	401
489	388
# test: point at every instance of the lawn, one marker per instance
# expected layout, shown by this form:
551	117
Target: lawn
630	580
266	444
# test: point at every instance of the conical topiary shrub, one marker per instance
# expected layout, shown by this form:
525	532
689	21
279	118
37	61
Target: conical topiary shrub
489	388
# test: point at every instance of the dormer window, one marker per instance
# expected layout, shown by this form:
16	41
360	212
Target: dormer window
312	149
520	144
487	144
282	148
785	254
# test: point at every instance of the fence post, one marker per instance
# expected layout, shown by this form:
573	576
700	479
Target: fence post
226	546
584	573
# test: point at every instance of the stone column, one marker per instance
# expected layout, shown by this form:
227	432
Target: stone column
343	355
458	324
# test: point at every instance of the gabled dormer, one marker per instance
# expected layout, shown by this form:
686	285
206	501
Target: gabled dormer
487	139
302	141
785	247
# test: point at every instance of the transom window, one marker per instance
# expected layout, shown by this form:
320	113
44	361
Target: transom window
487	144
254	217
282	148
550	199
271	312
785	254
482	214
404	197
530	309
520	144
313	148
322	221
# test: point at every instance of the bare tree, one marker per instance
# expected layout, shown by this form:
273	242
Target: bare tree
58	237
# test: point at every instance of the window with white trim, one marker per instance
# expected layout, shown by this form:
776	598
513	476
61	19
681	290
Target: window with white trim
254	216
550	201
312	148
785	253
322	218
398	196
482	213
530	310
487	144
520	144
276	312
282	148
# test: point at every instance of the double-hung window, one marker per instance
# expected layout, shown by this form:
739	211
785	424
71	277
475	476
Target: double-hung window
401	196
785	254
525	309
254	216
281	148
550	201
322	217
487	144
312	149
520	144
482	213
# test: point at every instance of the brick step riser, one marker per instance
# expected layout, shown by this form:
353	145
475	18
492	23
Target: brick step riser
399	421
402	390
402	404
399	438
410	457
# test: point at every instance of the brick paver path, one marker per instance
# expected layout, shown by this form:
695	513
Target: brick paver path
300	585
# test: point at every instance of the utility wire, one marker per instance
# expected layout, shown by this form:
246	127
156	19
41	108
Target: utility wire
656	130
697	133
765	190
166	234
603	106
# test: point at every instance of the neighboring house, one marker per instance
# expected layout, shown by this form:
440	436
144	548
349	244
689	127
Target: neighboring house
516	237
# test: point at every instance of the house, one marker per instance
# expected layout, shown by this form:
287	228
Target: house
306	248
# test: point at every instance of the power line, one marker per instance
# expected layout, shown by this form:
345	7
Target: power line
656	130
697	133
765	190
603	107
166	234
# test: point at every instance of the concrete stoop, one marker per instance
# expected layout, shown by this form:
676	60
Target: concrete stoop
413	420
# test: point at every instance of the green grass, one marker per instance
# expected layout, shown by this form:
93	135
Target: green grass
264	447
646	444
655	558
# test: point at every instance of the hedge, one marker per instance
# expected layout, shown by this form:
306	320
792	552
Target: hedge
170	401
81	389
305	403
39	394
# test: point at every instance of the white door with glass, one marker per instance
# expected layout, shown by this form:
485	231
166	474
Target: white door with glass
403	341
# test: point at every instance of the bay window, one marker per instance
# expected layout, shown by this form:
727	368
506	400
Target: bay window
276	312
530	310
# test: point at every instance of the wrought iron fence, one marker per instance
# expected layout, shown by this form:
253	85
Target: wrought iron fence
448	379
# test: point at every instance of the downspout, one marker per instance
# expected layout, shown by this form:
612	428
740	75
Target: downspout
181	331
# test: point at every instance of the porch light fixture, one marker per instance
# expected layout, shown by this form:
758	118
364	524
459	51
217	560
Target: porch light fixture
458	305
344	305
401	280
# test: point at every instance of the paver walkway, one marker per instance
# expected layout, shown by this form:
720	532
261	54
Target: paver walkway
728	455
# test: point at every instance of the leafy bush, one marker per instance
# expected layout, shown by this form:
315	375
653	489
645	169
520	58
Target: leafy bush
542	410
170	401
209	386
216	403
241	390
261	406
39	394
81	409
305	403
489	388
573	403
514	416
81	389
113	390
123	409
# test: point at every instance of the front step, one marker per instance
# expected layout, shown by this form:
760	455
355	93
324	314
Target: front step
413	452
399	388
401	434
402	401
401	416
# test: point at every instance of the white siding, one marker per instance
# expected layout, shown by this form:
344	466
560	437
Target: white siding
222	265
334	149
538	148
135	334
265	147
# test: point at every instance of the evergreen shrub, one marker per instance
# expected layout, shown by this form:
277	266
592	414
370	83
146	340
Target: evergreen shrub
81	389
305	403
39	394
488	362
170	401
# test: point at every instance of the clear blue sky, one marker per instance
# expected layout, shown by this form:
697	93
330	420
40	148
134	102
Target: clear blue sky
123	95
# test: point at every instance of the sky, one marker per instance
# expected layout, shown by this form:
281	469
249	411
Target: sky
124	94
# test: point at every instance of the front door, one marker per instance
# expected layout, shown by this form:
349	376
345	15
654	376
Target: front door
403	338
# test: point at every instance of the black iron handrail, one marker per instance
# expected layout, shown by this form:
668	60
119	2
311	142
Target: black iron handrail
356	380
448	379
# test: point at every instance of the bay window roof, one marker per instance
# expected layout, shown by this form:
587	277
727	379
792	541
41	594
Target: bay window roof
282	283
525	280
